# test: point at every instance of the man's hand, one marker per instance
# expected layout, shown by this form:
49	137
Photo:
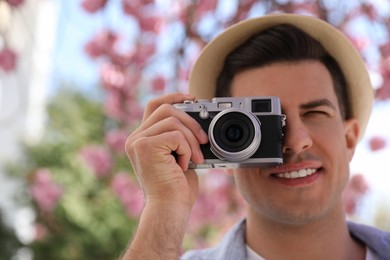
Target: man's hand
170	188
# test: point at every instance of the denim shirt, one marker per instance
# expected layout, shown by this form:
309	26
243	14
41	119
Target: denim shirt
232	246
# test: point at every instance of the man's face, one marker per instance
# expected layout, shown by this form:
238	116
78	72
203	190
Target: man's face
318	145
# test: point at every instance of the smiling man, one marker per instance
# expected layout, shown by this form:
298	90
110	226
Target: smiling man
294	210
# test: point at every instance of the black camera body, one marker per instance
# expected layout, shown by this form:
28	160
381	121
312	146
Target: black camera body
243	131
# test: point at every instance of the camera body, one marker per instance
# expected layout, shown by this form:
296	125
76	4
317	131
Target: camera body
243	131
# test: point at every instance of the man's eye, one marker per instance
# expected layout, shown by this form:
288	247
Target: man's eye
315	113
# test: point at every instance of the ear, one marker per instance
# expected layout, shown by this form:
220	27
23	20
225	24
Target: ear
351	127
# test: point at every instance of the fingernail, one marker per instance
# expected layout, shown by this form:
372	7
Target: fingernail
203	136
189	96
201	157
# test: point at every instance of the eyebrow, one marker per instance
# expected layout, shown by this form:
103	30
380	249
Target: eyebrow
318	103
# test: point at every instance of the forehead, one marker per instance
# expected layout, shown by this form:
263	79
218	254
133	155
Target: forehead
290	81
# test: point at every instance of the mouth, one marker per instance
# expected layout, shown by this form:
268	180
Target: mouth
302	173
297	174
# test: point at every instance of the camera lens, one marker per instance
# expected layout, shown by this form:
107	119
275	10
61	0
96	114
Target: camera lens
234	135
233	132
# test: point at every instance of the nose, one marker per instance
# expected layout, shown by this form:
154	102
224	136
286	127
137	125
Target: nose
296	137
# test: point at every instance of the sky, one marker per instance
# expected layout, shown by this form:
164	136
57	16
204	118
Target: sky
75	28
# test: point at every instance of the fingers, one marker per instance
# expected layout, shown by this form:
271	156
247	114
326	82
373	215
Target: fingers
164	130
157	150
166	99
160	175
173	124
161	117
176	141
168	111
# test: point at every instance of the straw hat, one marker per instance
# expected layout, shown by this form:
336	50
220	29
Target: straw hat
203	77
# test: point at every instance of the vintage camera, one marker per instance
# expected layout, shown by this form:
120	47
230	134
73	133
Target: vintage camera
243	131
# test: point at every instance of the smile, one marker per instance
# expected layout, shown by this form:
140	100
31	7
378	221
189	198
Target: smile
296	174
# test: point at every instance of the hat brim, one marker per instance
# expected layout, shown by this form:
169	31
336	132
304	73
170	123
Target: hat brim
204	74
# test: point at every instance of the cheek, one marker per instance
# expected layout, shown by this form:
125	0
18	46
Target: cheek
331	141
329	134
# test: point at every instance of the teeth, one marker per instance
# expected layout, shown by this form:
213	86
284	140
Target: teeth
297	174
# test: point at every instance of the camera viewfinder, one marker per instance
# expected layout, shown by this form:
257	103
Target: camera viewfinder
261	106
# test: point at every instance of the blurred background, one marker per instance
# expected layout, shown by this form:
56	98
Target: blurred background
74	78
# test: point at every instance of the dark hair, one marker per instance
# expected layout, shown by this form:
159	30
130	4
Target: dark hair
281	43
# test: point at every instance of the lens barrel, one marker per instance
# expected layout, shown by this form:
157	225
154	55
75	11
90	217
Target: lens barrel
234	135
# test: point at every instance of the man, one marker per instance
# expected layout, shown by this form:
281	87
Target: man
294	211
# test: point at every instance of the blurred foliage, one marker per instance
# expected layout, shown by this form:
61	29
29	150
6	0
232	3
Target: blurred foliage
72	121
89	221
9	243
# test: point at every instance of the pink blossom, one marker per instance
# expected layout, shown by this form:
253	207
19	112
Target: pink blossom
129	193
102	44
41	231
144	52
112	76
15	3
377	143
135	7
383	92
147	2
118	77
98	159
121	59
359	42
385	67
137	3
247	2
204	6
184	74
132	78
158	84
113	104
243	9
123	107
149	23
92	6
356	188
217	199
116	140
8	59
385	49
370	11
133	110
131	7
44	191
